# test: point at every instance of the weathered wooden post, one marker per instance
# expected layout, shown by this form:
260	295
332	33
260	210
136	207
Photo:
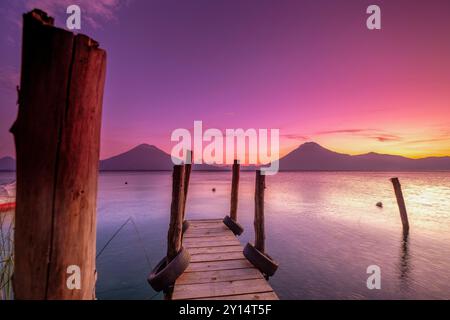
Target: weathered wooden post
166	272
174	235
231	220
234	190
259	211
187	176
57	136
256	254
401	204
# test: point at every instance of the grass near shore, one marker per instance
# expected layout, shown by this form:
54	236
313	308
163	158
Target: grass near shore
6	255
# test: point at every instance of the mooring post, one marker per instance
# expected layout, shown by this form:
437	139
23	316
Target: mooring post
234	190
259	211
176	213
187	176
57	136
401	204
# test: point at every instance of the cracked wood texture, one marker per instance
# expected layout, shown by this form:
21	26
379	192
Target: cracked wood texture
57	135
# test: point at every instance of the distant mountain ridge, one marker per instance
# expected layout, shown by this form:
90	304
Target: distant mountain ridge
311	156
146	157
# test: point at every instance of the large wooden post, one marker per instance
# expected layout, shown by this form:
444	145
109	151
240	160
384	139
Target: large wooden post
57	136
175	233
187	176
401	204
234	190
259	211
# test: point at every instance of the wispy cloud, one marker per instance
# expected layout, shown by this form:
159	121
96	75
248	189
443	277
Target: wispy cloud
386	137
345	131
426	140
375	134
294	136
94	12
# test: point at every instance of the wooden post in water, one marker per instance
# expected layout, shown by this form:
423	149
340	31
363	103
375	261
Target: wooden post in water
401	204
176	213
259	211
57	135
234	190
187	176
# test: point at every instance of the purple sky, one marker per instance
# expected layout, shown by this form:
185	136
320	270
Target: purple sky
310	68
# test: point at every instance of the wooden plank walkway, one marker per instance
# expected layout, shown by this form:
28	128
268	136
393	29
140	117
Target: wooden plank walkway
218	269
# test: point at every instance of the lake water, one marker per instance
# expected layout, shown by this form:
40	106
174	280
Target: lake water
322	227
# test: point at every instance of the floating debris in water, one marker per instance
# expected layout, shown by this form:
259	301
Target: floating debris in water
379	204
213	189
126	182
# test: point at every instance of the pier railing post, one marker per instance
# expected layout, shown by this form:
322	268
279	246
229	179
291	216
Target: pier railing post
174	235
259	211
187	176
234	190
401	204
57	136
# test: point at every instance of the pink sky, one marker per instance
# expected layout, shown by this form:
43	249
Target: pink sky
309	68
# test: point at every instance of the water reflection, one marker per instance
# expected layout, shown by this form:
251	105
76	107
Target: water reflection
404	265
323	228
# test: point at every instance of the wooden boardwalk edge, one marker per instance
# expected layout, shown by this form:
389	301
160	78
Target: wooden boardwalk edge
218	268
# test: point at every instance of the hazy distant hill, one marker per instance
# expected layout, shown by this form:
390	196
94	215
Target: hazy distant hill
309	156
145	157
312	156
7	164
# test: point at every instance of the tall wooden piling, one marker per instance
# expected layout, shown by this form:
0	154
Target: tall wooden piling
57	135
259	211
401	204
187	176
234	190
174	235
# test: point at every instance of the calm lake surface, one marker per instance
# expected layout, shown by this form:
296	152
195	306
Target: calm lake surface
322	227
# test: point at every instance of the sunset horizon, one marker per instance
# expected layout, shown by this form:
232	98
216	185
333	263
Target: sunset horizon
168	151
282	154
348	89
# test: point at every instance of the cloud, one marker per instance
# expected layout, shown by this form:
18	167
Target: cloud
375	134
386	138
294	136
344	131
94	12
427	140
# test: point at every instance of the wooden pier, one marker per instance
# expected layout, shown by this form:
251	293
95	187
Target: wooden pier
218	269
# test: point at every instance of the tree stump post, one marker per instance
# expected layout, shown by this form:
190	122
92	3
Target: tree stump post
175	233
57	137
234	190
401	204
259	211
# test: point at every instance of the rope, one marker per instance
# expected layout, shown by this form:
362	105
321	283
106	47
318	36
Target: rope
151	298
113	236
136	229
141	241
